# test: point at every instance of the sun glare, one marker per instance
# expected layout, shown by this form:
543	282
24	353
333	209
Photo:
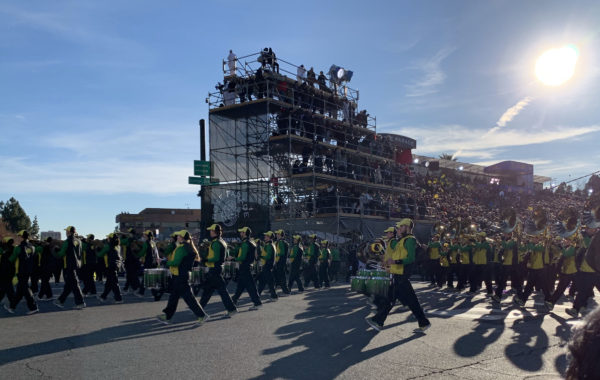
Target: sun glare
556	66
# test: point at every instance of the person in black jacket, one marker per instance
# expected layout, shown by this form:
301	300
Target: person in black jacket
25	254
88	266
245	257
110	255
7	270
70	252
47	263
148	255
295	258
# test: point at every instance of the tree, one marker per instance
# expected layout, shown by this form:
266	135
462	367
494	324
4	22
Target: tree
34	231
14	216
447	156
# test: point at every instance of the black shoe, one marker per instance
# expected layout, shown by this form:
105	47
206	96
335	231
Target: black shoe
374	324
424	325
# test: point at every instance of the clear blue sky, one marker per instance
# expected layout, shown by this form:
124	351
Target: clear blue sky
100	101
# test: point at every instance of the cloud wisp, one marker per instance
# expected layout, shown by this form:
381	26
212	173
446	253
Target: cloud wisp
433	75
510	114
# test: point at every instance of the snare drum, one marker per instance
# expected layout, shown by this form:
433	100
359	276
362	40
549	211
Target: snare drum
230	269
156	278
198	276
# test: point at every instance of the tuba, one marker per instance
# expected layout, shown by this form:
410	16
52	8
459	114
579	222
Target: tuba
568	223
509	220
538	224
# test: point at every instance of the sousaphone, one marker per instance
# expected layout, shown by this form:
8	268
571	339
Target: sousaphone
538	224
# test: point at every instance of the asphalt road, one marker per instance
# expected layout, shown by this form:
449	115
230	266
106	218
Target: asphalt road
319	334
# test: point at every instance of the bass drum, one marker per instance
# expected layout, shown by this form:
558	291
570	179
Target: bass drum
592	255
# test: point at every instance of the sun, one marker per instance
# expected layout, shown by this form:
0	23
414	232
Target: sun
556	66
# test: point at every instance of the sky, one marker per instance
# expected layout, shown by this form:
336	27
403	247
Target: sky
100	101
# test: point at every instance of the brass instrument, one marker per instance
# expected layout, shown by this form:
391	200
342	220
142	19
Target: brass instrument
509	220
539	223
568	223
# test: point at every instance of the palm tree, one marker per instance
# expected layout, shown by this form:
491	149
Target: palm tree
447	156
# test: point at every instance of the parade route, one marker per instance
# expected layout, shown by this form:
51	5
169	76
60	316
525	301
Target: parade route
319	334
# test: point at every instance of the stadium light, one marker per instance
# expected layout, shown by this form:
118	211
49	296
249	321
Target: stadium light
416	161
426	164
460	167
590	191
338	74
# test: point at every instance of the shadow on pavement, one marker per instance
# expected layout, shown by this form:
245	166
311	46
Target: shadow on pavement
332	334
135	330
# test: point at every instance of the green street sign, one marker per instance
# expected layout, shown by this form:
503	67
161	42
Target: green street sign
202	168
204	181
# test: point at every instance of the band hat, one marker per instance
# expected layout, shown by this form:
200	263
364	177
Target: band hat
214	227
110	236
69	228
148	232
389	229
7	239
21	233
280	232
404	222
324	242
297	237
244	229
89	236
268	233
482	234
312	236
181	233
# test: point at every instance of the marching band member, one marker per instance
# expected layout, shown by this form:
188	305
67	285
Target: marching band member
454	258
444	265
481	270
311	258
324	259
245	257
148	254
70	252
464	269
567	272
169	249
509	262
88	265
535	276
110	255
46	266
403	254
296	254
180	266
214	279
281	255
7	271
267	258
23	258
585	279
433	251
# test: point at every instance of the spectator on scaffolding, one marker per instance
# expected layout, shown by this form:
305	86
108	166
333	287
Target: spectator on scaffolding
301	74
311	77
259	83
231	62
273	61
322	80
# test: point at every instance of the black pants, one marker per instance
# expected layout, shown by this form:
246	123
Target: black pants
464	271
324	274
7	289
100	269
180	288
453	271
112	285
295	277
584	284
516	283
442	275
334	270
280	279
311	275
214	281
265	278
89	286
71	285
45	289
35	279
563	281
132	279
23	290
158	293
536	278
246	282
479	274
352	269
434	269
401	289
57	270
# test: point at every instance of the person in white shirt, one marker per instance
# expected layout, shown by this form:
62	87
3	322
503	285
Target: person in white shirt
301	74
231	62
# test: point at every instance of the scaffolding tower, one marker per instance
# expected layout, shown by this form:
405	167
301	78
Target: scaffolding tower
291	151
